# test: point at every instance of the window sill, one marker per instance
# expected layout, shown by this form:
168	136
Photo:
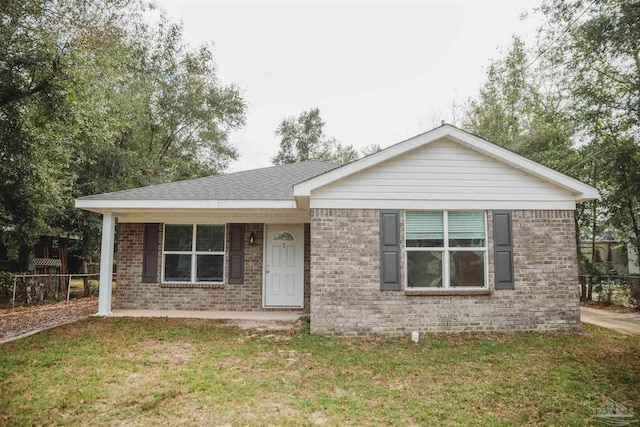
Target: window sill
191	285
448	292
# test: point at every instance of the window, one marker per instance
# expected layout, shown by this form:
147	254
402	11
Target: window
446	249
193	253
284	235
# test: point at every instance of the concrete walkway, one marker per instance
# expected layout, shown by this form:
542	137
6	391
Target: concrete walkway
272	320
626	323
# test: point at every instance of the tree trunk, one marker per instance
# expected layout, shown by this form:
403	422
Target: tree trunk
593	247
581	274
635	228
594	224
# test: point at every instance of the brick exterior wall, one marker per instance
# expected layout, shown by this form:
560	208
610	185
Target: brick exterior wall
345	281
132	293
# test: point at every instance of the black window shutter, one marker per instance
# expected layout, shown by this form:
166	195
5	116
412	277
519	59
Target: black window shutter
389	250
236	253
150	253
503	250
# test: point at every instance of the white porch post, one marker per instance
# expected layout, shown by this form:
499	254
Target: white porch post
106	263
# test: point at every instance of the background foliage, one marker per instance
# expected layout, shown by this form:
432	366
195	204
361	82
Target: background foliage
302	138
92	100
572	102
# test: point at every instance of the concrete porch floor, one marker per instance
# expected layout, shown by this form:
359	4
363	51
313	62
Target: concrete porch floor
202	314
258	320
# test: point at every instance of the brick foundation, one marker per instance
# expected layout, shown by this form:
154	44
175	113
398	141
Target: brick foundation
345	282
132	293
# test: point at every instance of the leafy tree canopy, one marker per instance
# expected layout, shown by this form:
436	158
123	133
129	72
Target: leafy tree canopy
94	100
517	110
302	138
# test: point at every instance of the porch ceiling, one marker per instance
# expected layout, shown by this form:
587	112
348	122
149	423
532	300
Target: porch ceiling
191	216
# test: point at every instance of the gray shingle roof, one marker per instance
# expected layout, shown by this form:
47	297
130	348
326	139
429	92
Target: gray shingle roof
272	183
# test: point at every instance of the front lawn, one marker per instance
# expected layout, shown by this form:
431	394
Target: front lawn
187	372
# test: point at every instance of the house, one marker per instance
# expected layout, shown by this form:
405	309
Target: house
442	232
607	252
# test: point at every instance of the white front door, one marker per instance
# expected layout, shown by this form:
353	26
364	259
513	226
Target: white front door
284	266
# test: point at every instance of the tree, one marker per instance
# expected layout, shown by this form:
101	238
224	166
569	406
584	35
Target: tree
39	41
597	54
303	138
92	100
516	109
370	149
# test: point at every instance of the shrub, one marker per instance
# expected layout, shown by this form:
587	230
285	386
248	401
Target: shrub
6	284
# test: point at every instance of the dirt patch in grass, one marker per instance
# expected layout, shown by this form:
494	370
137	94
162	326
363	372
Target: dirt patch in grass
176	352
22	320
148	384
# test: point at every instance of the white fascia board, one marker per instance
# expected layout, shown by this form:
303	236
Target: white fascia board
110	205
582	191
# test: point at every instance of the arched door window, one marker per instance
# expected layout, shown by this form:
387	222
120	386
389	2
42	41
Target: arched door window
284	236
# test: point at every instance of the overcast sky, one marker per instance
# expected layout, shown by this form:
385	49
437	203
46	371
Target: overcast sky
380	72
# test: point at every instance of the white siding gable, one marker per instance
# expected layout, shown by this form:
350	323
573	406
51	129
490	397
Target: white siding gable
442	175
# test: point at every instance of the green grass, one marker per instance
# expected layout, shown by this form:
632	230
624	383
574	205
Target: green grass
168	371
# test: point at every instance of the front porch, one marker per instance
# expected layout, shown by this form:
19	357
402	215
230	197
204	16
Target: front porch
236	242
262	267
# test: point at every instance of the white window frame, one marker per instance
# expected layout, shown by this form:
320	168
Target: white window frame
446	250
194	256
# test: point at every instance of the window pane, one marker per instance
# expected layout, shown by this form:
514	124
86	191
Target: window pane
178	237
210	268
177	268
283	235
210	238
424	229
467	268
466	229
424	243
424	269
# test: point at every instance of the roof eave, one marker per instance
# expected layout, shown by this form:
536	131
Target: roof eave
102	206
587	196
